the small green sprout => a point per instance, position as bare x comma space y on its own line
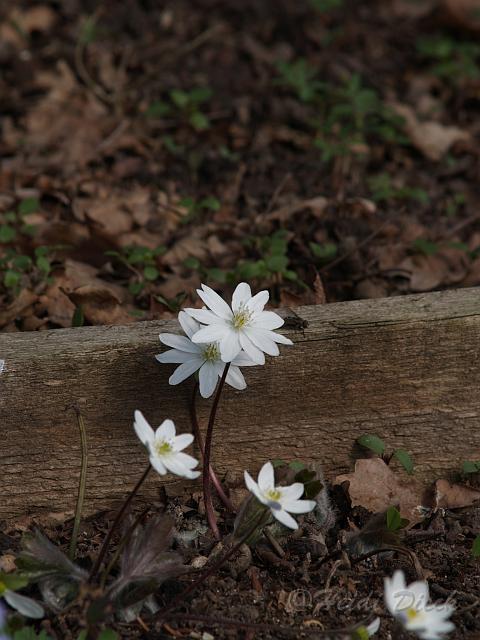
142, 262
301, 77
395, 522
383, 190
195, 207
476, 547
470, 466
373, 443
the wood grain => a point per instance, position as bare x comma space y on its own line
406, 368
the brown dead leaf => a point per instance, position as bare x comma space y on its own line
454, 496
415, 10
426, 272
374, 486
433, 139
25, 299
463, 13
7, 563
100, 305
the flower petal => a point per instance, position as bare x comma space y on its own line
212, 333
392, 586
258, 301
188, 324
285, 518
267, 320
205, 316
243, 360
215, 302
251, 350
262, 341
174, 465
185, 370
189, 462
208, 378
182, 441
253, 487
276, 337
235, 378
158, 465
292, 492
26, 606
143, 430
178, 342
299, 506
241, 295
174, 356
166, 431
230, 346
266, 477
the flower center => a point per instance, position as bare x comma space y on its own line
211, 353
412, 614
241, 318
163, 447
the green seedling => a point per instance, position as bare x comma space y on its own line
476, 547
451, 59
470, 466
301, 77
376, 445
16, 268
186, 104
142, 262
195, 207
382, 190
324, 252
395, 522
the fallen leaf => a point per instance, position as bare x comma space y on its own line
100, 305
25, 299
463, 13
432, 138
454, 496
316, 205
426, 272
374, 486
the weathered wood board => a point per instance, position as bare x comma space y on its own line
406, 368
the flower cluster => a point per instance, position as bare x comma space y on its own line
239, 334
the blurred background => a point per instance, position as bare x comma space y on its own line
324, 149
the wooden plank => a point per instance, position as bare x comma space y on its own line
406, 368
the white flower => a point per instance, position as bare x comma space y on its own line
165, 448
280, 500
409, 605
204, 358
243, 326
373, 627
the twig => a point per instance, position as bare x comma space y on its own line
116, 522
207, 487
198, 437
81, 485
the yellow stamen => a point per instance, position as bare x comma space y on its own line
163, 448
211, 353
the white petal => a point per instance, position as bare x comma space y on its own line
166, 431
188, 324
262, 342
241, 295
215, 302
419, 591
185, 370
267, 320
182, 441
299, 506
208, 379
254, 488
292, 492
205, 317
258, 301
235, 378
392, 586
26, 606
178, 342
158, 465
143, 430
174, 356
266, 477
186, 460
276, 337
212, 333
285, 518
373, 627
230, 346
243, 360
247, 345
175, 466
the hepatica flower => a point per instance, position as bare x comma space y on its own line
409, 605
204, 358
244, 325
280, 500
165, 448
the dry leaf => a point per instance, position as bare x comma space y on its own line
454, 496
463, 13
374, 486
24, 300
100, 305
431, 138
316, 205
426, 272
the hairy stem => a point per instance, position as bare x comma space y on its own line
207, 487
81, 485
198, 437
116, 522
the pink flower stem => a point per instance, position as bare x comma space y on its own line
198, 437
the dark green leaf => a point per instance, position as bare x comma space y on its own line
151, 273
405, 459
470, 467
7, 234
29, 205
11, 279
78, 319
476, 547
372, 442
